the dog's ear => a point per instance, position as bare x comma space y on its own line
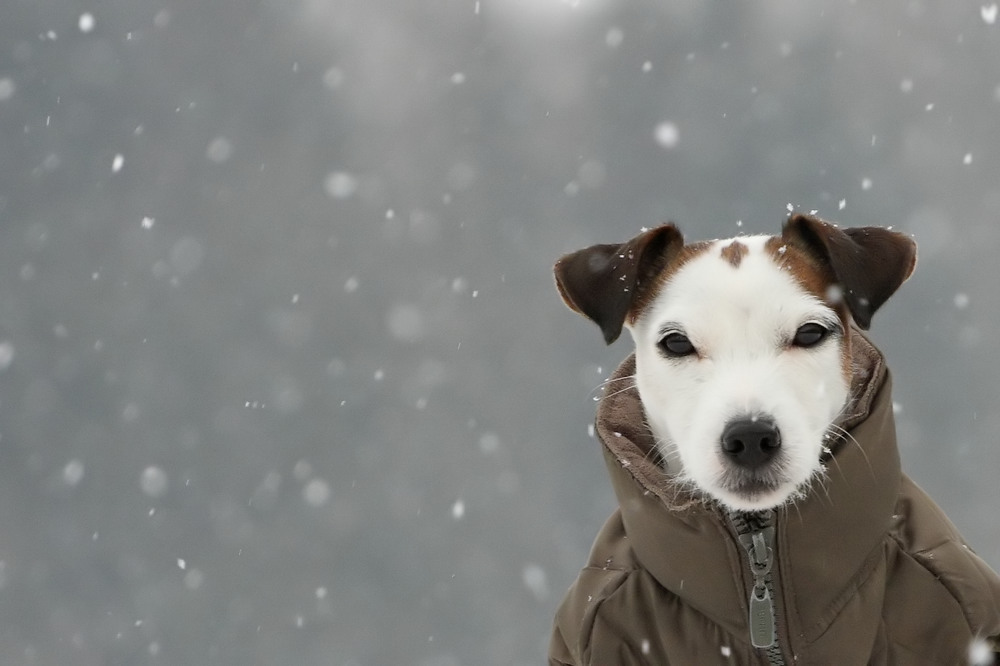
603, 282
868, 263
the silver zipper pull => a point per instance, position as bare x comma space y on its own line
762, 633
759, 545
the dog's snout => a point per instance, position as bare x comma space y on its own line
751, 442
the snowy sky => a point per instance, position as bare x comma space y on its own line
284, 377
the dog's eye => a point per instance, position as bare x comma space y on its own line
810, 335
676, 345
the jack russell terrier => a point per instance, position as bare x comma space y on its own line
752, 395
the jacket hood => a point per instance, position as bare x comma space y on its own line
684, 539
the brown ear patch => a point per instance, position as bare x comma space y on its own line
677, 262
812, 275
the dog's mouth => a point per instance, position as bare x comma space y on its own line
753, 486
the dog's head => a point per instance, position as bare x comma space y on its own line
743, 359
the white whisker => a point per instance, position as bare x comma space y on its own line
848, 437
610, 380
622, 390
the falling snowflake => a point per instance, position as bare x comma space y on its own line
989, 13
534, 578
614, 38
316, 493
153, 481
219, 150
489, 442
667, 134
72, 473
980, 653
340, 185
6, 355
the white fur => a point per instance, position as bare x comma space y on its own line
740, 320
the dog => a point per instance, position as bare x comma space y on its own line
742, 352
764, 405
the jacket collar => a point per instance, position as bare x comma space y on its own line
825, 542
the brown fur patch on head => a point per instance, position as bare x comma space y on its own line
818, 279
686, 254
734, 253
812, 275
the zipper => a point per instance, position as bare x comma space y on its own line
755, 532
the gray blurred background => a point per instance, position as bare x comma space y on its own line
283, 375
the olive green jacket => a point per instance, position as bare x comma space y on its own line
867, 569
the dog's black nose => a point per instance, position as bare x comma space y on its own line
751, 442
